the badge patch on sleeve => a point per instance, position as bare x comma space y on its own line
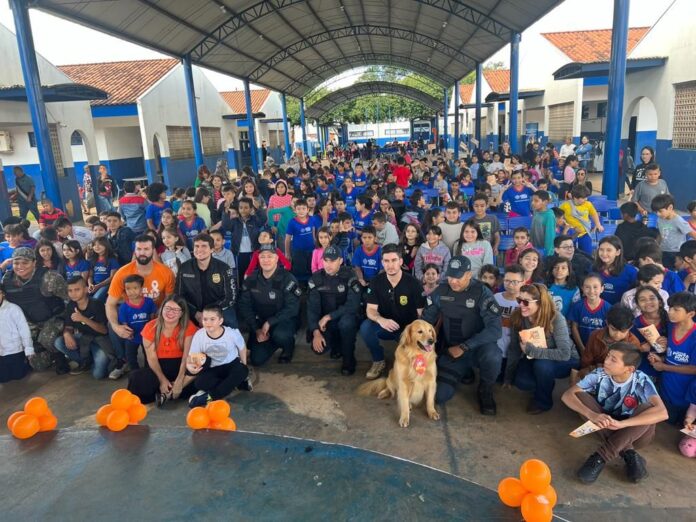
311, 284
492, 305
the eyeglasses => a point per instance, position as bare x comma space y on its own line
171, 310
512, 282
525, 302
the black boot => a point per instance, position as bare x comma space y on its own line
486, 399
468, 377
61, 364
591, 469
635, 466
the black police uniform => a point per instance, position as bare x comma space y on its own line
276, 300
338, 296
215, 286
470, 318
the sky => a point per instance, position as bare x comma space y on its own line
63, 42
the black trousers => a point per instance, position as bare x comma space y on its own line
340, 337
145, 384
13, 367
220, 381
301, 264
282, 336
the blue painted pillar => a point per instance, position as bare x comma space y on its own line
456, 120
617, 74
286, 131
193, 111
514, 91
320, 135
35, 101
444, 121
251, 127
303, 124
479, 81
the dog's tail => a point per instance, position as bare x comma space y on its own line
373, 387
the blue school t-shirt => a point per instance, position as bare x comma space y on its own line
101, 270
76, 269
350, 197
587, 319
682, 275
136, 316
672, 283
323, 193
302, 234
360, 222
370, 264
360, 178
563, 297
518, 201
154, 212
191, 230
680, 352
640, 322
616, 285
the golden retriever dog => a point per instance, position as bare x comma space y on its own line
413, 374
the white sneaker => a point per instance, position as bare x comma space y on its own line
375, 370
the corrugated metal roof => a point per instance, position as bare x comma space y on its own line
124, 81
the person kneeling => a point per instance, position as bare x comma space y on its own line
223, 366
623, 402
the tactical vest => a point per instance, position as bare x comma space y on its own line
461, 313
333, 290
268, 296
36, 307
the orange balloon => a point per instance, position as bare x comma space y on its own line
136, 413
12, 418
36, 406
197, 418
48, 422
535, 475
103, 413
117, 420
25, 426
218, 410
136, 400
536, 508
121, 399
551, 495
228, 424
511, 491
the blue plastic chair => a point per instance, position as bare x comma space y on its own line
652, 220
519, 221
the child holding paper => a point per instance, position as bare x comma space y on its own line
622, 401
687, 445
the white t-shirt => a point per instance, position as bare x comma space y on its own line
506, 308
222, 350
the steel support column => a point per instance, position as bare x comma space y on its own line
303, 124
617, 74
479, 80
286, 132
193, 111
35, 101
456, 120
252, 128
514, 91
445, 130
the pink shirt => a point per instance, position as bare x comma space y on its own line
317, 259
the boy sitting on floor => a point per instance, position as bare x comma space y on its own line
623, 402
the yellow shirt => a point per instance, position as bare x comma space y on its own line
586, 212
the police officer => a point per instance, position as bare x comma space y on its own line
471, 326
41, 294
206, 281
269, 306
334, 299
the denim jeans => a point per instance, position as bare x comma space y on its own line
27, 206
101, 294
118, 344
539, 375
104, 204
372, 333
100, 359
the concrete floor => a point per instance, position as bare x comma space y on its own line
309, 399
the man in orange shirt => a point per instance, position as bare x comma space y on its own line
159, 283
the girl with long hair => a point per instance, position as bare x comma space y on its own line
410, 241
530, 260
530, 366
167, 340
562, 284
652, 312
617, 275
103, 265
47, 256
472, 245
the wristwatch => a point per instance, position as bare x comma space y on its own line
464, 347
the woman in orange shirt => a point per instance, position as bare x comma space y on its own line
166, 340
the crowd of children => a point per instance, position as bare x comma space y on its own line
609, 288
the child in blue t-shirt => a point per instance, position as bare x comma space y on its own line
617, 276
517, 199
103, 266
688, 274
74, 261
300, 238
367, 258
678, 365
135, 312
562, 285
157, 196
590, 313
345, 238
362, 216
191, 225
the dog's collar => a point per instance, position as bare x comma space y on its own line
419, 364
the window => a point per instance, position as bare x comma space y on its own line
396, 132
32, 139
684, 130
585, 112
212, 141
76, 139
180, 142
602, 109
361, 134
560, 121
55, 146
